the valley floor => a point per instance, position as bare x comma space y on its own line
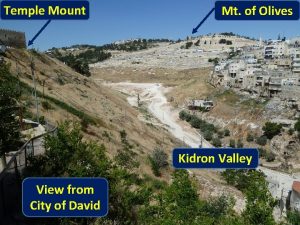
153, 95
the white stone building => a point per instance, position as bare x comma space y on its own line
296, 62
276, 49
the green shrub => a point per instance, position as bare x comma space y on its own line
84, 124
262, 140
216, 142
188, 45
221, 134
206, 128
262, 153
297, 126
155, 168
46, 105
270, 157
240, 144
65, 106
215, 61
250, 138
158, 160
232, 143
272, 129
42, 120
226, 133
208, 135
196, 122
183, 115
293, 218
291, 131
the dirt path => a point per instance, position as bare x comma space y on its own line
153, 95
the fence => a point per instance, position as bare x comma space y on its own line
11, 179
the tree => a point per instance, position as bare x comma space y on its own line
158, 160
297, 126
250, 137
232, 143
226, 133
291, 131
259, 202
222, 41
188, 45
270, 157
9, 109
178, 204
208, 135
67, 154
240, 144
126, 157
216, 142
272, 129
262, 140
293, 218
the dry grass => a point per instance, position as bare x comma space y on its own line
97, 101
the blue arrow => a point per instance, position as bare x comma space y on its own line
195, 30
41, 30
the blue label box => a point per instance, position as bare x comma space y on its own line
215, 158
257, 10
65, 197
45, 10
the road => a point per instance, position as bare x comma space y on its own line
154, 96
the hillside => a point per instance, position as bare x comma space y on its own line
184, 69
104, 112
136, 102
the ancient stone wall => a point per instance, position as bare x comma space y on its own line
12, 38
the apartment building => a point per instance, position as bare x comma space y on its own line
276, 49
296, 63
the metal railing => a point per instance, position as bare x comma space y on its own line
18, 160
11, 178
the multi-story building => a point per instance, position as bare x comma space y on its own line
276, 49
296, 63
234, 68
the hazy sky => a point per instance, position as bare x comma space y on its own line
113, 20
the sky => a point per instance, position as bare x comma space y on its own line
113, 20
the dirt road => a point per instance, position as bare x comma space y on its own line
154, 95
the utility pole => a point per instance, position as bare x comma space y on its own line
19, 90
35, 94
201, 145
43, 83
138, 100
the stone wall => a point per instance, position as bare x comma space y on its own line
12, 38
